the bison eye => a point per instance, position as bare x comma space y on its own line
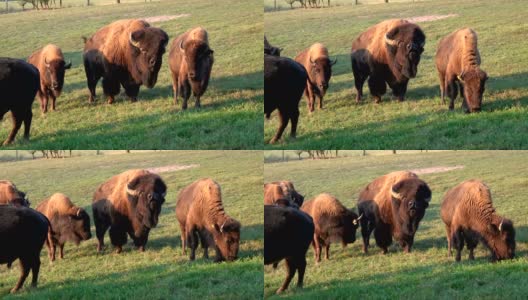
149, 196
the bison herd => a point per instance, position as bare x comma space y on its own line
125, 53
385, 54
392, 207
126, 205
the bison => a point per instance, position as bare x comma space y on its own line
128, 203
392, 206
387, 53
285, 190
201, 215
190, 63
284, 83
19, 83
469, 215
333, 223
68, 223
318, 65
287, 235
22, 235
127, 53
271, 50
50, 63
9, 194
458, 61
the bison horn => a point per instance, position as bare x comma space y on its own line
181, 47
360, 216
46, 62
396, 195
79, 212
67, 66
391, 42
133, 42
333, 62
311, 61
222, 227
500, 225
132, 192
427, 199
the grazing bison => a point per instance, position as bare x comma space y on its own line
284, 83
284, 189
127, 53
190, 62
392, 206
128, 203
68, 223
201, 215
9, 194
458, 60
469, 215
333, 223
287, 235
271, 50
50, 63
19, 83
318, 65
387, 53
22, 235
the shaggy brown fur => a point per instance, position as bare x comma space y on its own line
468, 212
458, 61
201, 214
284, 189
9, 194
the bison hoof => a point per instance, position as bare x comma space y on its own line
377, 100
14, 290
118, 250
279, 291
272, 141
141, 248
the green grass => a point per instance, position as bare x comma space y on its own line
231, 113
422, 121
427, 272
162, 271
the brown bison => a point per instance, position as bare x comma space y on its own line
284, 189
190, 62
271, 50
128, 203
201, 215
333, 223
68, 223
458, 61
387, 53
469, 215
318, 65
9, 194
50, 63
392, 206
127, 53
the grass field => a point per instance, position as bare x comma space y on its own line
231, 113
422, 121
427, 272
161, 272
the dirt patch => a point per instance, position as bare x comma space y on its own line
171, 168
430, 18
435, 170
156, 19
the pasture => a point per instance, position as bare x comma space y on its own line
422, 121
427, 272
162, 271
231, 113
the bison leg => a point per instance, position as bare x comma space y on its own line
464, 100
53, 251
92, 78
102, 223
366, 230
458, 240
442, 87
219, 257
320, 102
399, 90
205, 245
53, 99
317, 248
24, 272
42, 99
360, 75
383, 237
448, 233
452, 91
283, 119
183, 238
132, 91
327, 251
193, 242
294, 117
301, 268
61, 251
377, 87
118, 237
17, 122
310, 98
27, 123
185, 88
471, 245
35, 268
175, 90
290, 272
111, 88
197, 102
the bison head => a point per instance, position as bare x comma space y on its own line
77, 225
21, 199
351, 224
410, 198
54, 74
227, 238
148, 45
147, 193
297, 198
199, 58
405, 45
320, 73
502, 242
473, 81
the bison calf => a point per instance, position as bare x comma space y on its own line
458, 61
333, 223
22, 235
50, 63
469, 215
9, 194
282, 190
68, 223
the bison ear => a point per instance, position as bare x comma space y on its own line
136, 37
210, 51
493, 228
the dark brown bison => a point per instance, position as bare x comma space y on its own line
201, 214
284, 189
392, 206
68, 223
333, 223
22, 235
19, 83
127, 53
458, 61
9, 194
190, 62
318, 65
271, 50
50, 63
387, 53
469, 215
128, 203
